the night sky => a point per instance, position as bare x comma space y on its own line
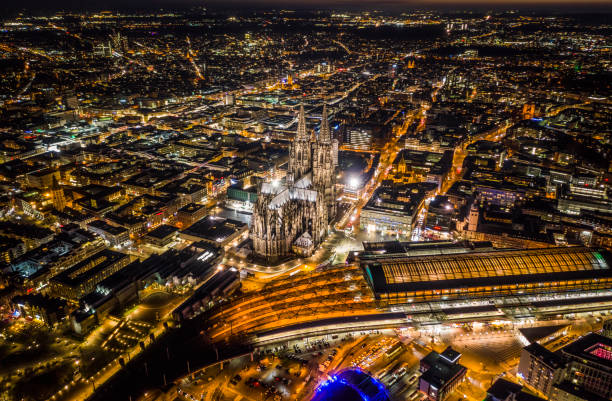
381, 4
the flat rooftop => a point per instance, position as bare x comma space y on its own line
442, 247
534, 334
396, 200
593, 347
550, 358
503, 389
442, 367
162, 231
191, 208
89, 267
213, 228
102, 225
579, 392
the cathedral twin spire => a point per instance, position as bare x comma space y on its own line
300, 153
303, 211
304, 149
301, 131
324, 132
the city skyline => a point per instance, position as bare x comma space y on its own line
394, 5
315, 201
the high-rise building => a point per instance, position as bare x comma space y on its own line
103, 49
359, 137
119, 43
540, 368
580, 371
59, 201
589, 364
43, 178
293, 217
607, 329
70, 100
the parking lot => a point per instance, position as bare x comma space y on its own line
293, 370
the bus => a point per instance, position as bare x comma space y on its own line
394, 351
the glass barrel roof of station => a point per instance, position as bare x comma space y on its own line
491, 264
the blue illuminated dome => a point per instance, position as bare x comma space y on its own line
351, 385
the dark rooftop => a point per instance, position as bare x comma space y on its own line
442, 367
549, 358
82, 271
213, 228
191, 207
593, 347
506, 390
501, 389
162, 231
102, 225
40, 301
534, 334
578, 391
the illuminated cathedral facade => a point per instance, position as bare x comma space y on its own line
294, 217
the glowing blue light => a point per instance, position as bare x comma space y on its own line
355, 379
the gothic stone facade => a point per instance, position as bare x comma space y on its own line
304, 205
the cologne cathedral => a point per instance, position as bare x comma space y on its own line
293, 217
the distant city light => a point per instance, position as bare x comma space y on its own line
292, 185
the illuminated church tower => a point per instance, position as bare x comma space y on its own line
300, 153
323, 168
293, 217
